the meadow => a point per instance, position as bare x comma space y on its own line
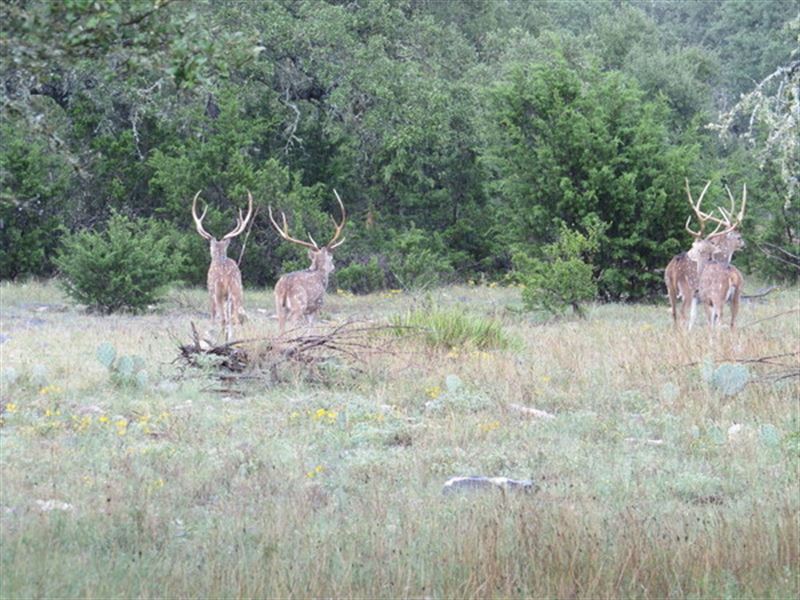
669, 466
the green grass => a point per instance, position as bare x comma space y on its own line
452, 327
186, 487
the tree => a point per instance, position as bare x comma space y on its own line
567, 149
767, 120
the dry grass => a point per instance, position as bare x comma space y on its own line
335, 490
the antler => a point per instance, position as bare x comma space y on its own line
701, 216
198, 221
284, 233
241, 223
339, 226
740, 216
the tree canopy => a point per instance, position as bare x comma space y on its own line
459, 134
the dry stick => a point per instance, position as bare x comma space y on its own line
761, 359
760, 294
780, 314
247, 235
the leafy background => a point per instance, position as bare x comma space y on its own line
460, 134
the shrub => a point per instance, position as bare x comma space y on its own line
124, 267
563, 277
453, 328
361, 278
419, 259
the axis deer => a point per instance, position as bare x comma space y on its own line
681, 274
224, 277
300, 294
718, 280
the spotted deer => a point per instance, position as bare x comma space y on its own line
681, 274
299, 295
718, 280
224, 277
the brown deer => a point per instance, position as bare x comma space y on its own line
299, 295
681, 274
718, 280
224, 277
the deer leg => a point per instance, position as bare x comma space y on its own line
734, 307
213, 302
228, 322
673, 300
709, 310
693, 311
280, 311
237, 311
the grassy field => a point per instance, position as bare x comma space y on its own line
670, 468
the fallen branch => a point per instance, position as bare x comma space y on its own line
273, 359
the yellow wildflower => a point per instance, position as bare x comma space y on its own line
50, 389
315, 471
486, 427
103, 419
434, 392
11, 407
324, 414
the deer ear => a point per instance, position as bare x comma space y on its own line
311, 254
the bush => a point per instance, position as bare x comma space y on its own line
453, 328
419, 259
361, 278
563, 277
124, 267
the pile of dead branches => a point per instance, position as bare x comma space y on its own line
312, 353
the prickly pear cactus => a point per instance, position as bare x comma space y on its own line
730, 379
106, 353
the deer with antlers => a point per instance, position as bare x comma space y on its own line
717, 280
224, 277
681, 275
299, 295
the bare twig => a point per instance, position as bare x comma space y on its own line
267, 358
780, 314
247, 235
761, 293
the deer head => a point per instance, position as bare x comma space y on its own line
219, 248
724, 242
321, 257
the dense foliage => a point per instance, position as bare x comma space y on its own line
124, 267
457, 133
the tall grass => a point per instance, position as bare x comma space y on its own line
452, 327
186, 487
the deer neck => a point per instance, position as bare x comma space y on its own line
321, 274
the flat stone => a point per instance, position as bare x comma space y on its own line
479, 482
